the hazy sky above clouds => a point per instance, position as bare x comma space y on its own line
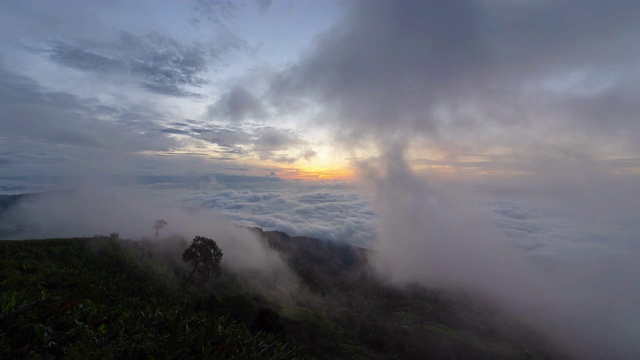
468, 123
301, 88
126, 84
532, 98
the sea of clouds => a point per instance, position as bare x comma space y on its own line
567, 268
543, 228
331, 214
540, 228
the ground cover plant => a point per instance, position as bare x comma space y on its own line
108, 298
81, 298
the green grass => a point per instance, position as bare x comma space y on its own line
100, 298
106, 298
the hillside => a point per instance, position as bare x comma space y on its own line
109, 298
370, 319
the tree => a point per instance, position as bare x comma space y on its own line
205, 256
159, 225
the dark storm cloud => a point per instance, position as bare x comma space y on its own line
158, 63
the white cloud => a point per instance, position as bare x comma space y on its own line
338, 214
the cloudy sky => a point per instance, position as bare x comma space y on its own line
452, 136
153, 88
303, 89
513, 100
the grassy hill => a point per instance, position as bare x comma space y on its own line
108, 298
101, 298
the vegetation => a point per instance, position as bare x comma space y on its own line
158, 225
361, 317
205, 257
108, 298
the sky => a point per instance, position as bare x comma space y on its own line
149, 87
303, 89
481, 143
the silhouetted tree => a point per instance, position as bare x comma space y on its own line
159, 225
205, 256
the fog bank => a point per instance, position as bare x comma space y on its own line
132, 211
438, 236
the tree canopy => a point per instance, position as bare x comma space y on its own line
159, 224
205, 256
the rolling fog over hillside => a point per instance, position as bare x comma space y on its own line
483, 146
541, 259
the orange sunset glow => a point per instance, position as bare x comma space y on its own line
318, 173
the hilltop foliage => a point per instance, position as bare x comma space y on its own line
107, 299
116, 299
205, 257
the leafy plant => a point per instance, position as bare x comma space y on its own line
98, 298
205, 256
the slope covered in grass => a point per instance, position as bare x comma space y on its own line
99, 298
109, 298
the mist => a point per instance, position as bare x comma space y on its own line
541, 90
132, 210
438, 236
540, 95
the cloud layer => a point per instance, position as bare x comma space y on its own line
333, 213
475, 76
550, 85
160, 64
544, 91
115, 88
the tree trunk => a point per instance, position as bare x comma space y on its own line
190, 275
